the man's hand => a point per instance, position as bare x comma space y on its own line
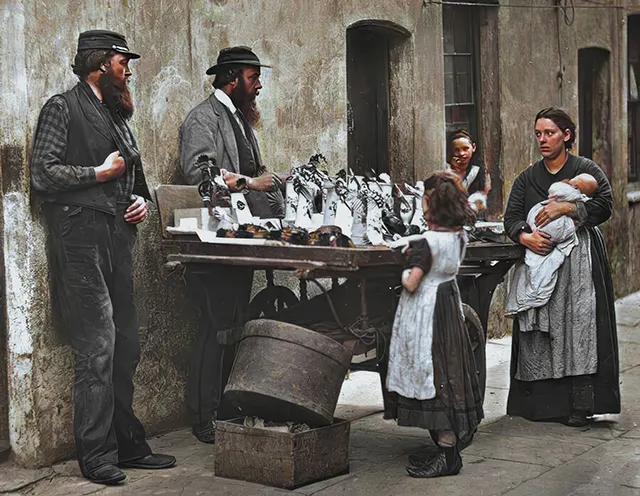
137, 211
112, 167
551, 211
235, 182
538, 242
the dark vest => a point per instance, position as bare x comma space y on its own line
257, 200
89, 142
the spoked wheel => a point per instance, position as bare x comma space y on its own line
271, 300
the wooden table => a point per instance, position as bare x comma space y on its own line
484, 266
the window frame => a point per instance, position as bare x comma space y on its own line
473, 33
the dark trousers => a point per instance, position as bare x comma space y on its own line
93, 286
220, 295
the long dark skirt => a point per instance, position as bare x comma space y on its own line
553, 399
458, 402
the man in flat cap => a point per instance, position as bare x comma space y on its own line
86, 166
221, 128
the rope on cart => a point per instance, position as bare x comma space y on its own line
366, 336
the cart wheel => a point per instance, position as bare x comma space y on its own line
476, 336
271, 300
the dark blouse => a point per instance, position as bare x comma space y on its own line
532, 187
419, 255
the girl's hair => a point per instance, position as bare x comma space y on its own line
454, 135
562, 120
448, 205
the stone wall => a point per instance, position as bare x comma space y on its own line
304, 109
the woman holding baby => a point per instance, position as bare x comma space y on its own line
564, 354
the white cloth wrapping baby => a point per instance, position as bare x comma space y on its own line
532, 283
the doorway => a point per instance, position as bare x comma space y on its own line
375, 50
594, 111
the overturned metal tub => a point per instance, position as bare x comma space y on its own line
283, 372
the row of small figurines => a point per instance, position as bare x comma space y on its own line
362, 207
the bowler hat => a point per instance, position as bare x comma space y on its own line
237, 55
101, 39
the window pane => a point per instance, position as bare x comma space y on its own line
449, 92
448, 27
463, 79
462, 31
461, 117
456, 29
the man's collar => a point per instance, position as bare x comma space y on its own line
90, 91
223, 98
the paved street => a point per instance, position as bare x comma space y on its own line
510, 456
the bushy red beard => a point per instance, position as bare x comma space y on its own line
116, 95
251, 112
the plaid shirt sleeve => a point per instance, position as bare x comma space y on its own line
49, 173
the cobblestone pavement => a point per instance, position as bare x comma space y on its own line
509, 456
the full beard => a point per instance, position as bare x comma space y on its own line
251, 112
246, 104
116, 96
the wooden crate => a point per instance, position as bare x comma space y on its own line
281, 459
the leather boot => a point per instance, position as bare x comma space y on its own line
446, 462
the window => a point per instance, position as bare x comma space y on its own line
633, 109
460, 69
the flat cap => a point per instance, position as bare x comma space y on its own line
101, 39
240, 55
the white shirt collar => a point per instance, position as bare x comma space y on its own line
225, 100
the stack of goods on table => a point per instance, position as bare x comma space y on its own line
344, 210
324, 236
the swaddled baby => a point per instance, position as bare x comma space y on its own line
535, 279
577, 189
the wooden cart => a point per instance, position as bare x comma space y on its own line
359, 306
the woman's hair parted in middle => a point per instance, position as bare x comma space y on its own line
562, 120
448, 201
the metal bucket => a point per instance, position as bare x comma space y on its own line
283, 372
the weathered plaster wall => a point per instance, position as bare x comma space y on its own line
531, 59
303, 111
303, 106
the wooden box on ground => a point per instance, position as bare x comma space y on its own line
281, 459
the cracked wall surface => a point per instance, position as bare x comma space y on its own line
303, 106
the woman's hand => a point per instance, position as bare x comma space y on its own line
538, 242
553, 210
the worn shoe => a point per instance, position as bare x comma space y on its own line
109, 475
205, 432
153, 461
577, 420
420, 460
447, 462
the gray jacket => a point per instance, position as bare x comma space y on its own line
206, 130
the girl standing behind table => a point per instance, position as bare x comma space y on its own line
473, 177
431, 364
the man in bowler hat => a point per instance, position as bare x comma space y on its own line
86, 166
221, 128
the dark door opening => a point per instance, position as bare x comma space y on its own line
368, 99
594, 106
